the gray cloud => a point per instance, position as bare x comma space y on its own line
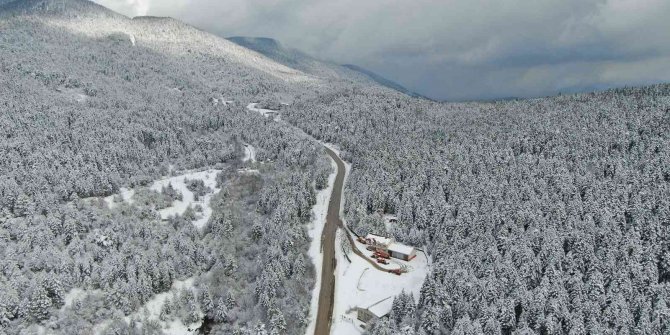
455, 49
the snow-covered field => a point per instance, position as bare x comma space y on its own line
126, 196
188, 199
249, 153
319, 213
151, 310
358, 284
265, 112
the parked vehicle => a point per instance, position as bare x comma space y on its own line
382, 254
396, 271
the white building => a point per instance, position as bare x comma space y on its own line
388, 244
401, 251
375, 311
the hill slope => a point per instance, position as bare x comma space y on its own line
299, 60
93, 103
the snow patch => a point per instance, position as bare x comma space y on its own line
126, 196
152, 308
265, 112
249, 153
188, 198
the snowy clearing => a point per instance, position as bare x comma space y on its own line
126, 196
360, 285
152, 309
188, 198
265, 112
319, 213
249, 153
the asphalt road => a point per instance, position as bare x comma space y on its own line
333, 222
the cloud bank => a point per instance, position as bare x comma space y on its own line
455, 49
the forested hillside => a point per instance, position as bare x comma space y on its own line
90, 102
542, 216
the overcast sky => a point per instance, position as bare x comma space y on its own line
455, 49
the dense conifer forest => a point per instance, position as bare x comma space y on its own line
542, 216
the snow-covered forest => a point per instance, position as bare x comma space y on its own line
83, 116
541, 216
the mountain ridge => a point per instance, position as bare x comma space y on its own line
304, 62
64, 8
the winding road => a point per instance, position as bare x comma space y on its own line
333, 222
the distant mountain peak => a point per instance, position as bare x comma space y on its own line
299, 60
67, 8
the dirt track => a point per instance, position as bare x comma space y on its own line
333, 222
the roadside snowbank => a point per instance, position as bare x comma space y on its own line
319, 213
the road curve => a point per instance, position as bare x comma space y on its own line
333, 222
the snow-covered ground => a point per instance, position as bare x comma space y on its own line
126, 196
265, 112
315, 229
358, 284
188, 199
76, 294
249, 153
393, 263
152, 309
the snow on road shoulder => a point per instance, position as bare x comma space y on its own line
347, 172
319, 213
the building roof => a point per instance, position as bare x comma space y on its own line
379, 239
382, 307
400, 248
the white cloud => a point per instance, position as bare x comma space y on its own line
452, 48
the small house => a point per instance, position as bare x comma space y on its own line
401, 251
375, 311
